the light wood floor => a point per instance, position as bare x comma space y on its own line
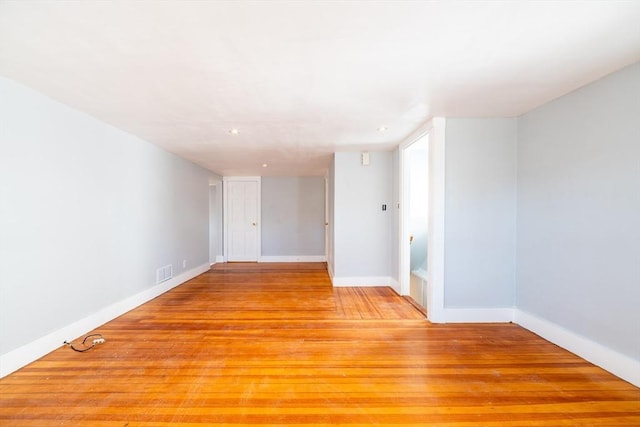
263, 344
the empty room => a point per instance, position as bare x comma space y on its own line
306, 213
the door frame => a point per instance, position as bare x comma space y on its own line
404, 232
405, 214
326, 218
435, 244
225, 217
215, 221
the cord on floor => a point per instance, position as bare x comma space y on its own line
97, 339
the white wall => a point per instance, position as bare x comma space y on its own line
88, 213
362, 231
480, 207
293, 218
578, 253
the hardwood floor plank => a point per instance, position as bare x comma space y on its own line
276, 344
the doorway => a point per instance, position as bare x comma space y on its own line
415, 189
241, 218
434, 292
215, 221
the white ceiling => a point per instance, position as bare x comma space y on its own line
302, 79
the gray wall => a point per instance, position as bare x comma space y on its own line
293, 216
362, 231
215, 221
578, 253
480, 209
88, 213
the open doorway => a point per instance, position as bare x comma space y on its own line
433, 288
415, 220
215, 221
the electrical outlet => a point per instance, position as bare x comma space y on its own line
184, 263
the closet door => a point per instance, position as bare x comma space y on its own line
242, 212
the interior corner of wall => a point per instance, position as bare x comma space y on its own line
617, 363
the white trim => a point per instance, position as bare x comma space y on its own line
478, 315
362, 281
294, 258
219, 258
403, 215
225, 203
16, 359
421, 131
435, 241
403, 195
617, 363
326, 216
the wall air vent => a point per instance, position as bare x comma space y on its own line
164, 273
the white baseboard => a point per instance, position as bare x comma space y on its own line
618, 364
478, 315
395, 285
16, 359
294, 258
361, 281
219, 258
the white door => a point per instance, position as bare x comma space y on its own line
242, 213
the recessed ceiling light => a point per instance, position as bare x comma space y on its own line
264, 165
234, 131
382, 129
